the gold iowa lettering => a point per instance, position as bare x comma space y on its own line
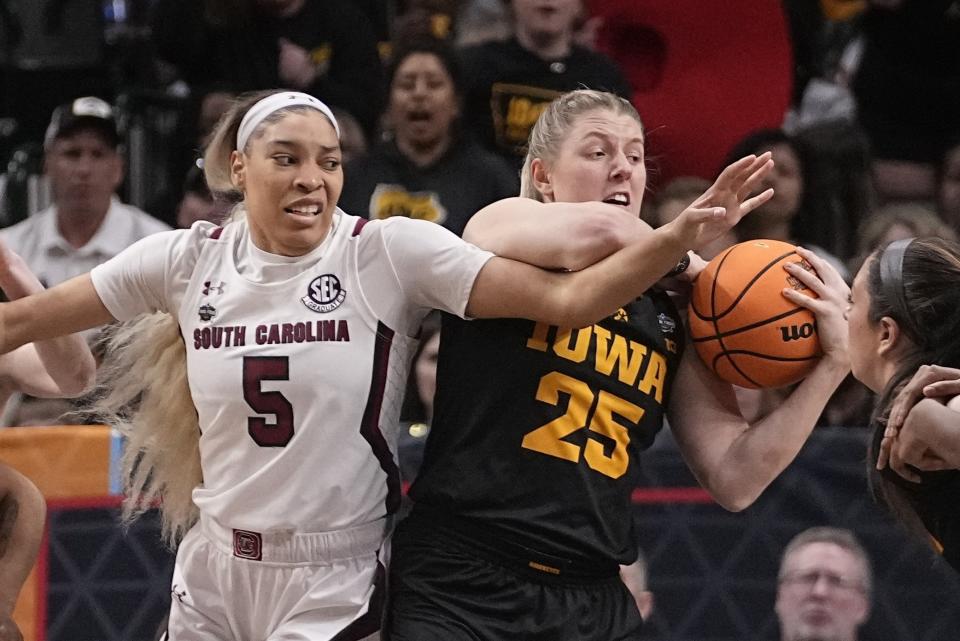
628, 361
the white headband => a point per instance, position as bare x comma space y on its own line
275, 102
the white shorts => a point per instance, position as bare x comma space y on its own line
233, 585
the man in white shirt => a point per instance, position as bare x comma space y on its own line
824, 587
87, 223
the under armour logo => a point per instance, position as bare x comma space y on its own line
212, 287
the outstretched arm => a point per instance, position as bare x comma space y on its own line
568, 236
68, 308
22, 514
56, 367
572, 236
510, 289
736, 460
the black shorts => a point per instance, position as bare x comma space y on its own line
446, 587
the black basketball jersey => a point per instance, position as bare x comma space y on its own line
537, 429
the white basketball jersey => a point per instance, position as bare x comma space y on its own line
298, 381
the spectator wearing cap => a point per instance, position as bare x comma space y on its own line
86, 224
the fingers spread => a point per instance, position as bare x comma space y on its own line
753, 180
750, 204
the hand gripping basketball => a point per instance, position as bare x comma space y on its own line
748, 330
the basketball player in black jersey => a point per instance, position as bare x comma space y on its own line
522, 507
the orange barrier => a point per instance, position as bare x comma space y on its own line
67, 463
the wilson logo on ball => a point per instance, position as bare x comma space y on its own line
742, 325
795, 332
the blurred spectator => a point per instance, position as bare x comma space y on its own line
427, 169
416, 414
426, 19
379, 14
324, 47
86, 224
826, 47
775, 219
824, 586
895, 222
908, 91
948, 187
480, 21
508, 83
198, 203
634, 576
677, 196
838, 182
353, 142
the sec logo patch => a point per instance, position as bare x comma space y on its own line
324, 294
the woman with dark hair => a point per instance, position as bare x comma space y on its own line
778, 218
426, 169
903, 314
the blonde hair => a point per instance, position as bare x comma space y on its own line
551, 128
143, 393
142, 386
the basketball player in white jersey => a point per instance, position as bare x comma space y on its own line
261, 395
52, 368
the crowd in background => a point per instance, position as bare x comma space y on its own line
435, 99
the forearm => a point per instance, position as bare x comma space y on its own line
598, 290
568, 236
22, 513
66, 309
67, 360
939, 427
766, 447
512, 289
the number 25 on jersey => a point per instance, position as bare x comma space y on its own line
548, 439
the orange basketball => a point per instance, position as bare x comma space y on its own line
743, 327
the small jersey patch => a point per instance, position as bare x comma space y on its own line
247, 545
207, 312
324, 294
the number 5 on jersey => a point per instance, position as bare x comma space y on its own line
257, 369
548, 439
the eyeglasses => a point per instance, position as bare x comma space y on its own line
810, 579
